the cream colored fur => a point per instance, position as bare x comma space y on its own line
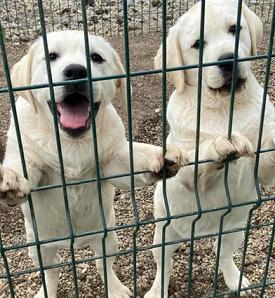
214, 143
39, 142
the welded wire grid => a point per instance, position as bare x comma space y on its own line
30, 22
21, 21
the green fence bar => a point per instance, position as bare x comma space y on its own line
230, 125
271, 244
21, 151
196, 167
164, 136
6, 266
95, 148
130, 138
258, 153
58, 142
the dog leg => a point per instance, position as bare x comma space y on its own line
49, 257
170, 234
230, 243
115, 287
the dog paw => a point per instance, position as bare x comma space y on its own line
174, 159
14, 188
238, 146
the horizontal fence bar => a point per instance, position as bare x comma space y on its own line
91, 180
142, 223
135, 74
139, 249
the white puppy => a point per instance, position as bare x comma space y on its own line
68, 62
183, 49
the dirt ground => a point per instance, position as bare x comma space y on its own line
147, 115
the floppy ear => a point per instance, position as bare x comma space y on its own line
21, 76
174, 59
121, 85
255, 26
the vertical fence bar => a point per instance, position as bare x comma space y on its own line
271, 244
97, 164
6, 266
118, 17
52, 16
196, 166
34, 16
94, 19
22, 156
269, 10
110, 18
229, 133
26, 19
8, 19
257, 159
130, 137
157, 25
60, 17
150, 7
77, 14
17, 20
102, 21
164, 136
69, 12
141, 16
58, 143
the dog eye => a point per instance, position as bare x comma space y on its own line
233, 29
97, 58
196, 45
53, 56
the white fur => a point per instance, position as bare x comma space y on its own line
39, 142
214, 144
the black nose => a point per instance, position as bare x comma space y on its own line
226, 66
74, 72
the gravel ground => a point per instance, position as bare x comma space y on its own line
146, 128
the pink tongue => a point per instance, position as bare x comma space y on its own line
74, 116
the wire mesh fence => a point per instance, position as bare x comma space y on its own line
32, 18
20, 19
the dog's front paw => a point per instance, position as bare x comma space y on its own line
174, 159
223, 148
14, 188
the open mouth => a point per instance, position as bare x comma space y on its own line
226, 87
74, 113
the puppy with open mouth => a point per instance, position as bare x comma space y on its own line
72, 105
183, 44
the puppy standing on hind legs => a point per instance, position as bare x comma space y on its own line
183, 44
34, 111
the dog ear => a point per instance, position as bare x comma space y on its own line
21, 76
121, 84
255, 26
174, 59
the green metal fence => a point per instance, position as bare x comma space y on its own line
158, 15
104, 17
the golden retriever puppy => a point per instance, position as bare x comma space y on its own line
34, 108
183, 49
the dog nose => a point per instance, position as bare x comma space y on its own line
74, 72
226, 66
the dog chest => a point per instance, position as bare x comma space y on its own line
83, 208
